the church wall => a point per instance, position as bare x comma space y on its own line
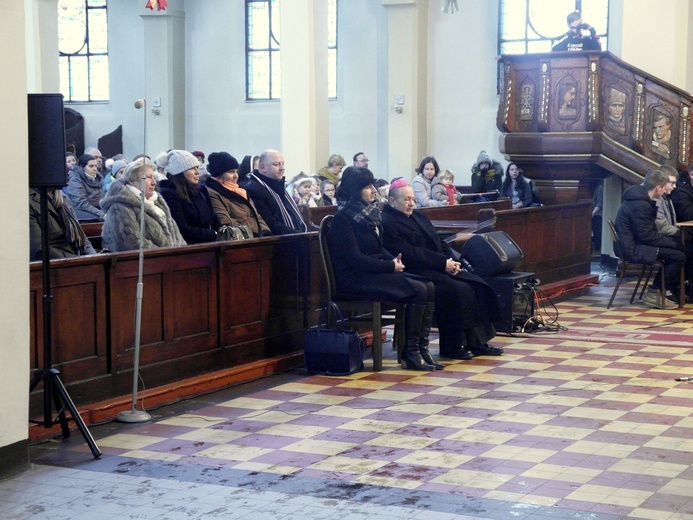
14, 236
463, 98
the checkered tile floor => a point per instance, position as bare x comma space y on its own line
586, 422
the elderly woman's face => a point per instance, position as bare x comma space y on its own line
149, 182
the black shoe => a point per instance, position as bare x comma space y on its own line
487, 350
428, 358
460, 353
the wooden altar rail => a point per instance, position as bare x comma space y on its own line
216, 308
554, 239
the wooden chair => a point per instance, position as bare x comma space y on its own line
360, 309
623, 265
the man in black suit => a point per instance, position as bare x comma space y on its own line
465, 306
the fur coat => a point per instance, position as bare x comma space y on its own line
121, 228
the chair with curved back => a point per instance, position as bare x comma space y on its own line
360, 309
624, 264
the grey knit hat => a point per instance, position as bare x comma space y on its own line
484, 157
180, 161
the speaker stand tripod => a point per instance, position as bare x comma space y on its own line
53, 388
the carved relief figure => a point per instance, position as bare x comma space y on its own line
527, 103
661, 134
616, 120
567, 107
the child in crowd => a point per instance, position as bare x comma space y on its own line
444, 190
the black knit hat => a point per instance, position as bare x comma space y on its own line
218, 163
354, 179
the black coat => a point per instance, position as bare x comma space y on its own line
424, 254
635, 225
682, 198
195, 218
361, 265
267, 205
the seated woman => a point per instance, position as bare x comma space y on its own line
121, 228
465, 306
335, 165
363, 267
189, 203
66, 238
422, 183
230, 202
443, 188
516, 187
84, 187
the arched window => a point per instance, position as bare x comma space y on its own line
263, 36
533, 26
83, 47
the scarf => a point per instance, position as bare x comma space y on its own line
150, 202
234, 187
451, 190
286, 216
74, 234
364, 215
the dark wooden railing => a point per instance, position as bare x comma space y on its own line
211, 307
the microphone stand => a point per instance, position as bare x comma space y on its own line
53, 387
135, 415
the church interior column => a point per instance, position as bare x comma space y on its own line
407, 85
164, 74
304, 104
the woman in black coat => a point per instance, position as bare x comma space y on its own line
189, 203
465, 306
363, 268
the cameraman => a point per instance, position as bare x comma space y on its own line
574, 40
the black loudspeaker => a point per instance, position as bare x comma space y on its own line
492, 253
46, 141
516, 299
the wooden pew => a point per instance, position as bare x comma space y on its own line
206, 308
554, 239
230, 306
93, 232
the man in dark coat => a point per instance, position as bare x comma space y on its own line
465, 306
266, 189
487, 174
640, 240
682, 196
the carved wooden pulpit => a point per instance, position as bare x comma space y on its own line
569, 118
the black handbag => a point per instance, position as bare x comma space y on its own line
234, 233
333, 352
